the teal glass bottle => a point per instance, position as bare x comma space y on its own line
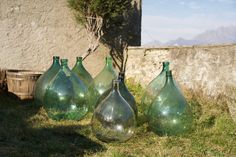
44, 80
101, 83
170, 114
80, 70
154, 88
66, 97
113, 119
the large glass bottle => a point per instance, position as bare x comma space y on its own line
154, 88
82, 72
44, 80
101, 83
170, 113
66, 96
114, 119
129, 98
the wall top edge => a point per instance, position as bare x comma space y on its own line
174, 47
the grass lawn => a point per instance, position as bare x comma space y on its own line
25, 130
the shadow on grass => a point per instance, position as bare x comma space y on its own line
19, 138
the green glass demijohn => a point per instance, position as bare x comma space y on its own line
154, 88
101, 83
82, 72
170, 114
44, 80
113, 119
129, 98
66, 96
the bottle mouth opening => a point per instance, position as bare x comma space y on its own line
56, 57
166, 63
79, 58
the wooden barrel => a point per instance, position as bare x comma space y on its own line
21, 82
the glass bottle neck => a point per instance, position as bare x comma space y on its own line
79, 60
121, 76
55, 60
109, 62
64, 63
165, 66
115, 85
169, 78
65, 68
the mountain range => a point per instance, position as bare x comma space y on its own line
221, 35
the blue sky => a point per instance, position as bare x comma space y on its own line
165, 20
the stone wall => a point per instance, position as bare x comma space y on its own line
32, 31
208, 69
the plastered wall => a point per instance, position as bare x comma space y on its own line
32, 31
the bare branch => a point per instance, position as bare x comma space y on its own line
94, 33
